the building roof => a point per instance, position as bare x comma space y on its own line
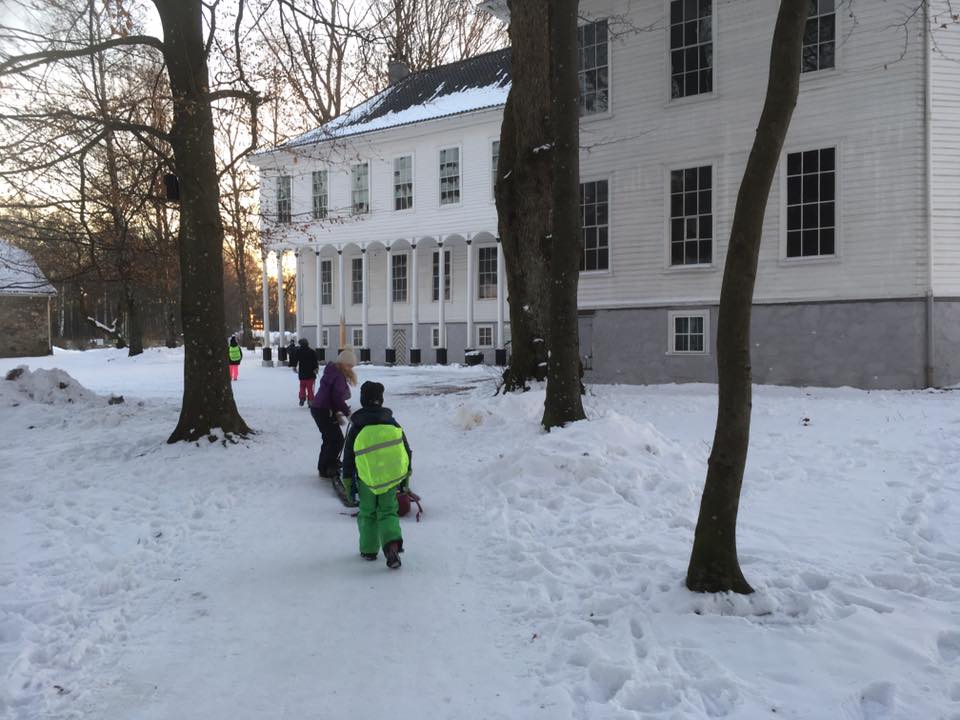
19, 274
472, 84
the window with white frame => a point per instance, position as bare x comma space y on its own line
594, 225
435, 337
398, 264
436, 275
450, 176
592, 67
319, 194
691, 216
357, 337
485, 336
487, 272
689, 332
324, 338
820, 36
494, 160
360, 188
326, 282
691, 47
811, 203
284, 183
356, 280
403, 183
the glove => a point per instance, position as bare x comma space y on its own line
405, 483
349, 491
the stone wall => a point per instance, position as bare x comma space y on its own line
24, 326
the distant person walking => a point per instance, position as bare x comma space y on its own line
329, 407
304, 362
235, 355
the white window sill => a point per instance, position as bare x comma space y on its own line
810, 260
697, 268
692, 99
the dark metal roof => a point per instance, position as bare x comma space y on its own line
425, 89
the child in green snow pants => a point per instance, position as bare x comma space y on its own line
378, 520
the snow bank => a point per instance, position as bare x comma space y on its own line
48, 387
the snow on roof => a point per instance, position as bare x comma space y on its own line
473, 84
19, 274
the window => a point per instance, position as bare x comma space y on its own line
436, 275
283, 198
326, 282
450, 176
360, 175
399, 276
487, 273
356, 278
485, 336
689, 332
319, 194
691, 216
594, 225
820, 36
403, 183
324, 337
435, 337
691, 47
811, 203
494, 160
592, 69
357, 336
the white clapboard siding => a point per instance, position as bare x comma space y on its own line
945, 149
870, 112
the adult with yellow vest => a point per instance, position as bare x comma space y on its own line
376, 460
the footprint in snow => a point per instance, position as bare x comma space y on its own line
948, 645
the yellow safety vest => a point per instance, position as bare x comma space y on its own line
381, 457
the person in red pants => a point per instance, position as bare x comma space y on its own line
304, 362
235, 355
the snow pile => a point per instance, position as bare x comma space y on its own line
48, 387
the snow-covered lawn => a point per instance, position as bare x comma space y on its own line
145, 581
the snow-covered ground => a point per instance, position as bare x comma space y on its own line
145, 581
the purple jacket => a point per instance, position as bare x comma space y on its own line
333, 392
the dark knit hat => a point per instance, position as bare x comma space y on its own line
371, 394
304, 342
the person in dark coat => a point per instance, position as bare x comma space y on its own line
329, 408
305, 364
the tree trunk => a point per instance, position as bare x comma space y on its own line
523, 192
133, 325
714, 566
207, 396
563, 403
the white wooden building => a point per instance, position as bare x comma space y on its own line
859, 275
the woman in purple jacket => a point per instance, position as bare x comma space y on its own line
329, 402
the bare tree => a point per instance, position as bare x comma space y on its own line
563, 403
714, 566
207, 398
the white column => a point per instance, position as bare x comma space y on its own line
470, 293
281, 299
364, 278
440, 304
297, 290
318, 299
414, 299
499, 295
266, 302
389, 300
342, 339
